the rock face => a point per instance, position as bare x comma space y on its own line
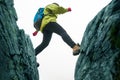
17, 59
100, 47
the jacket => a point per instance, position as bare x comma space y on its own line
51, 12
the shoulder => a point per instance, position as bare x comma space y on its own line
51, 6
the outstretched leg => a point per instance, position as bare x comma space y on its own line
56, 28
46, 39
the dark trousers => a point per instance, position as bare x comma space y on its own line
50, 28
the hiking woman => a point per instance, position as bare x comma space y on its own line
50, 26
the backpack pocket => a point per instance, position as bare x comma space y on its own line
37, 24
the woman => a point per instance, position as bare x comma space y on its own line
49, 26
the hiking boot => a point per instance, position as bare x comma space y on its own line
76, 49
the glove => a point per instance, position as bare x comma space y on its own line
35, 33
69, 9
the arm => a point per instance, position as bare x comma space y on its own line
60, 10
55, 9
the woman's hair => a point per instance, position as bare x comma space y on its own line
56, 4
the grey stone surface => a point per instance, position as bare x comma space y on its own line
100, 46
17, 56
